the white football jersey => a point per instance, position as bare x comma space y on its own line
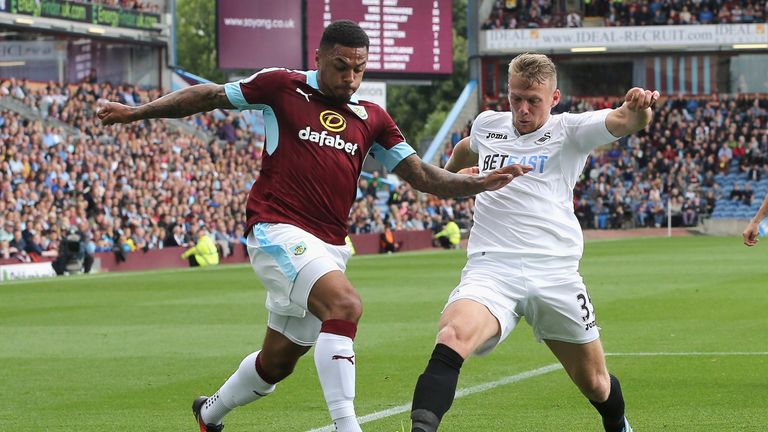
534, 213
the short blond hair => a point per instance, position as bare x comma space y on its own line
533, 68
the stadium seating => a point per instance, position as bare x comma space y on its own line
150, 184
528, 14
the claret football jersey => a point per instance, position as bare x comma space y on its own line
533, 215
313, 152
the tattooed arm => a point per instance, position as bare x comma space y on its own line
181, 103
431, 179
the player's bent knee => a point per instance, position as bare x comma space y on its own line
456, 340
278, 368
595, 387
346, 307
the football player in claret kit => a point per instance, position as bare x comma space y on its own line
525, 244
317, 136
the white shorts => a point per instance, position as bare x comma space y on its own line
289, 261
547, 291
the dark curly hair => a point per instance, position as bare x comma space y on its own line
345, 33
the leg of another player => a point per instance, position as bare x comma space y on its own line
337, 304
464, 326
585, 364
255, 378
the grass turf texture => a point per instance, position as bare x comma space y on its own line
129, 352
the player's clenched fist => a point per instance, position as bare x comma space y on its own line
751, 232
113, 112
639, 99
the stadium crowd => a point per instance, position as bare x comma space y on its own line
673, 164
540, 13
147, 185
666, 12
124, 195
529, 14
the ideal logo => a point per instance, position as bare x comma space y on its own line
547, 135
496, 135
332, 121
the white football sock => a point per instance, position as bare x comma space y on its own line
345, 424
335, 362
243, 387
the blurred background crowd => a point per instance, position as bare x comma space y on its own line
612, 13
151, 184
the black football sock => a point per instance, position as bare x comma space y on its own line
435, 389
612, 410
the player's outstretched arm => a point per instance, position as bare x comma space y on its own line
634, 114
431, 179
462, 157
181, 103
752, 230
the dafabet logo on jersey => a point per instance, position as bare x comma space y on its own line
332, 122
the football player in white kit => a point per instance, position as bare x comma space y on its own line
526, 243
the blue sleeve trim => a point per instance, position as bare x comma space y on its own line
235, 95
272, 132
391, 157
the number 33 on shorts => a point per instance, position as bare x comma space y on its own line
588, 310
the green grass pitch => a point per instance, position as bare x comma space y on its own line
686, 319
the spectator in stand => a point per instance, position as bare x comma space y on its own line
747, 194
737, 194
584, 214
706, 16
642, 213
34, 247
689, 213
602, 214
573, 19
18, 247
226, 131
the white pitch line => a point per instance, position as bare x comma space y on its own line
461, 393
686, 354
532, 373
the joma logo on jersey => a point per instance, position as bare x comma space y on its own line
332, 121
323, 139
496, 135
544, 138
496, 161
